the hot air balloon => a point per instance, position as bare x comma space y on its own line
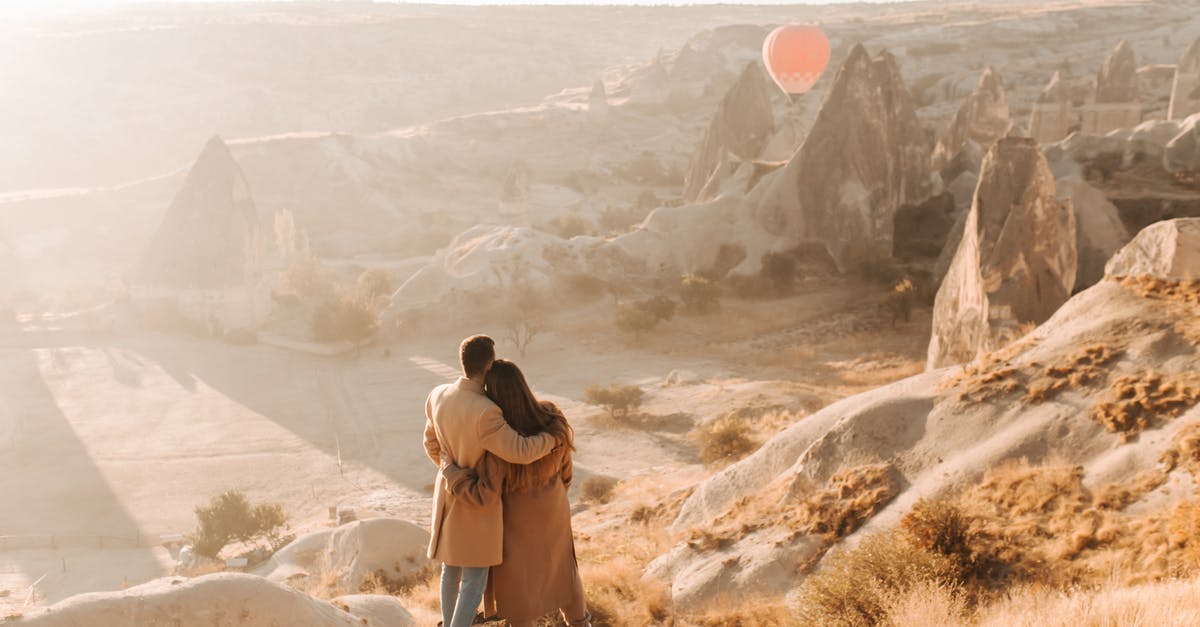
796, 55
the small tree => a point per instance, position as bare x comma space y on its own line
306, 278
660, 307
618, 400
780, 269
522, 317
230, 516
699, 295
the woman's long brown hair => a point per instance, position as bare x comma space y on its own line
507, 388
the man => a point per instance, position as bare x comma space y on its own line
461, 425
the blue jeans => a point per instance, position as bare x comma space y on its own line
459, 604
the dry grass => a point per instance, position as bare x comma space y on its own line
1137, 402
1169, 603
993, 378
725, 440
1187, 292
850, 498
597, 489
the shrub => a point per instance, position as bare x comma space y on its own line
230, 516
306, 278
618, 400
645, 314
597, 489
780, 269
343, 318
855, 586
899, 301
699, 295
569, 225
725, 440
374, 286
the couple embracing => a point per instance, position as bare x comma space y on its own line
501, 519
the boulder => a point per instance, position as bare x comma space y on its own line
1185, 90
217, 599
741, 127
1016, 262
1168, 250
376, 610
983, 118
1181, 156
864, 157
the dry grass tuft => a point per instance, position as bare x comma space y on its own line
1139, 401
850, 498
1187, 292
597, 489
991, 379
725, 440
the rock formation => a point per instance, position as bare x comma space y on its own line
1050, 119
1181, 156
249, 600
982, 118
1099, 232
741, 127
1167, 250
207, 257
865, 156
598, 102
210, 238
1016, 262
1116, 102
1185, 91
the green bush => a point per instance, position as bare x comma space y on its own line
618, 400
699, 295
230, 516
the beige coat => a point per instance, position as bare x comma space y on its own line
539, 574
466, 424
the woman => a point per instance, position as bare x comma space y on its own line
539, 574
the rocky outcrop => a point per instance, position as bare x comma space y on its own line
1050, 119
1099, 232
1181, 156
982, 118
865, 156
1185, 90
211, 599
1168, 250
1016, 262
741, 127
598, 102
1116, 102
210, 238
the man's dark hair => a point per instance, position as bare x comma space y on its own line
476, 353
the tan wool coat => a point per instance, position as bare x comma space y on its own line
466, 424
539, 574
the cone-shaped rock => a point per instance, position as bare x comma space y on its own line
865, 156
1015, 264
741, 127
210, 238
982, 118
1185, 90
1050, 119
1181, 155
1115, 103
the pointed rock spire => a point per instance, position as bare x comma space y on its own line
983, 118
1185, 90
743, 123
1050, 118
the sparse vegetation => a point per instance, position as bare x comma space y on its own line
642, 316
618, 400
1138, 401
343, 318
597, 489
307, 279
231, 516
374, 287
699, 295
725, 440
851, 497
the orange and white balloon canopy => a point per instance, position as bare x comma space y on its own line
795, 56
